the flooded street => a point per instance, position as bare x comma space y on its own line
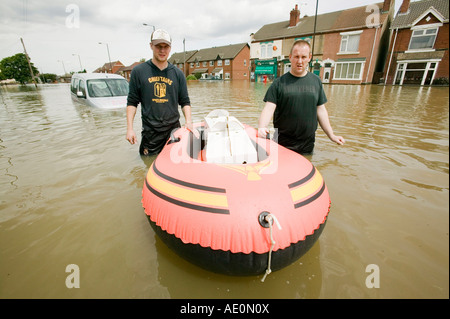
70, 193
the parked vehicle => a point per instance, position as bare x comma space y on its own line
101, 90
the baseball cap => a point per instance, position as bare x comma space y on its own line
161, 36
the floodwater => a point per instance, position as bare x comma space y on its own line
70, 194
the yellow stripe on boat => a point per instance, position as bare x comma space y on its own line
307, 189
186, 194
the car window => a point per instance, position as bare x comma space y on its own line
107, 87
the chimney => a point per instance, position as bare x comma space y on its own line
295, 16
387, 4
404, 7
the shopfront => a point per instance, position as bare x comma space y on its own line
265, 70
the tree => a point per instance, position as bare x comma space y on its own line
48, 77
16, 67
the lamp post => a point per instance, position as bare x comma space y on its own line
63, 66
109, 57
149, 25
79, 60
314, 34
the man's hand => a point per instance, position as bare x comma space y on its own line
190, 127
131, 137
262, 132
337, 139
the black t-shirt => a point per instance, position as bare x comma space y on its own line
295, 116
159, 92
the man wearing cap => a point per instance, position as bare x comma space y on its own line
160, 87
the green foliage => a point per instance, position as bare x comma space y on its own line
16, 67
48, 77
191, 77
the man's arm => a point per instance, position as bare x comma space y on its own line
324, 121
188, 120
131, 135
264, 119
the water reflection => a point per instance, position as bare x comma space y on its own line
302, 279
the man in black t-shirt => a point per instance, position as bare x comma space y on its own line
159, 87
296, 101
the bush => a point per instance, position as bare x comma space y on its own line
191, 77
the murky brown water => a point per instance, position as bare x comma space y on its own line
70, 193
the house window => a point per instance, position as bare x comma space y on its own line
197, 64
348, 70
423, 39
266, 51
350, 42
192, 65
219, 62
227, 62
416, 72
204, 63
211, 63
227, 76
245, 62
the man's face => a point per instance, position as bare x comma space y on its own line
300, 57
161, 51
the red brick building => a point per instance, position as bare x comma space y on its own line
419, 45
229, 62
349, 46
180, 60
108, 67
126, 70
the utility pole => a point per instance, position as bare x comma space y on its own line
29, 64
184, 59
314, 34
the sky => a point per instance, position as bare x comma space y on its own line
63, 36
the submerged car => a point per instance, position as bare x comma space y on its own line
101, 90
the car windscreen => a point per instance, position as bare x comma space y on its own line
107, 87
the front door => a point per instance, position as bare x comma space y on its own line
326, 75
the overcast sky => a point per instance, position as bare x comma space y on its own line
58, 34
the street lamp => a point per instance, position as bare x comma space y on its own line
63, 66
149, 25
79, 60
109, 57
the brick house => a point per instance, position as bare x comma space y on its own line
420, 41
180, 60
126, 70
349, 46
112, 67
230, 62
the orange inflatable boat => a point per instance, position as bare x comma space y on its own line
234, 203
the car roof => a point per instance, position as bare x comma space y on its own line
90, 76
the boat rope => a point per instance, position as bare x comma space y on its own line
270, 219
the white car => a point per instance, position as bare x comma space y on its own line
101, 90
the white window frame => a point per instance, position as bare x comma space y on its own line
211, 63
423, 29
219, 62
350, 65
227, 61
402, 68
345, 37
266, 50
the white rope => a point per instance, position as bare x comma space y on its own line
270, 218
